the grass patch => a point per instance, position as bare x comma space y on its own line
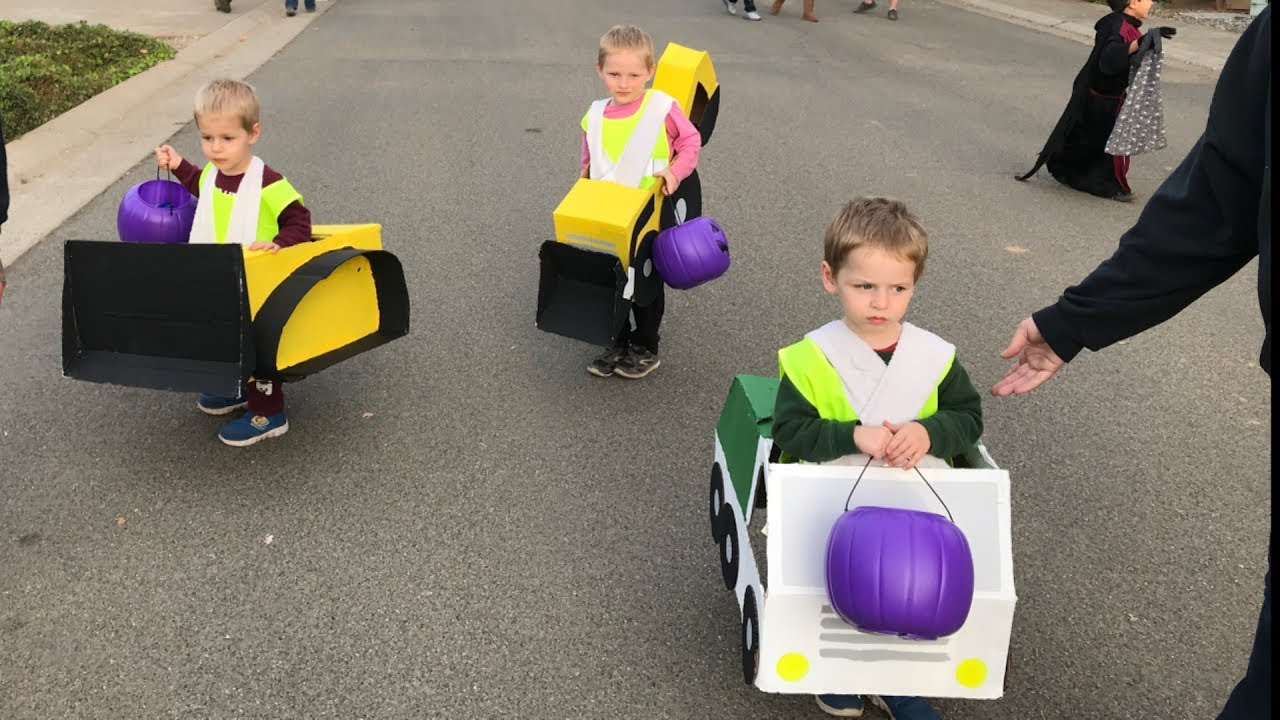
45, 70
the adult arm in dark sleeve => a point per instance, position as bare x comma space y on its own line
1202, 225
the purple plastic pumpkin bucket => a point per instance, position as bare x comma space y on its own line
156, 211
692, 253
900, 572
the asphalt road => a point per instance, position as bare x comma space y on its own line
506, 536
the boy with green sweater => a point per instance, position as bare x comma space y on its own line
870, 384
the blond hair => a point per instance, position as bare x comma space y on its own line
626, 37
875, 222
228, 97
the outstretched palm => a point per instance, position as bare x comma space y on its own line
1037, 362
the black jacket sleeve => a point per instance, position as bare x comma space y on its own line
1204, 223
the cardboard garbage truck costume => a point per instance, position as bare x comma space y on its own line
207, 317
602, 257
793, 640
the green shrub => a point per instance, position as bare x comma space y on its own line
46, 70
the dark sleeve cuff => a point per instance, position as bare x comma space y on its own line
1056, 330
189, 176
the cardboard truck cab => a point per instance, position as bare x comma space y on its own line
792, 640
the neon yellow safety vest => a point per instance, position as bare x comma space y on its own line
618, 132
805, 365
275, 198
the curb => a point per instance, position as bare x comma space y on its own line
1075, 30
61, 166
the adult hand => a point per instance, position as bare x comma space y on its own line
1168, 32
1037, 361
910, 443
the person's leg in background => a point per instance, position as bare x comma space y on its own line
1251, 697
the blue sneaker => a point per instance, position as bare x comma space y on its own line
218, 405
249, 429
841, 705
905, 708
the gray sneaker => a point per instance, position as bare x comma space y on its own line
637, 363
749, 10
603, 366
731, 6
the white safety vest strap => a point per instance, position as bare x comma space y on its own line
243, 224
877, 392
636, 160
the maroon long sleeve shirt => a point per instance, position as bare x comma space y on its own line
294, 220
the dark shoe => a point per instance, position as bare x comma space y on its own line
249, 429
603, 366
905, 708
893, 14
841, 705
865, 7
637, 363
290, 12
222, 5
1122, 196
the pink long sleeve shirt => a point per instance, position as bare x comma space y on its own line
682, 137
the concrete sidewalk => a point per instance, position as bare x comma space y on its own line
1200, 47
57, 168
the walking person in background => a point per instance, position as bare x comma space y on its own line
807, 13
748, 9
871, 5
291, 7
4, 195
1076, 151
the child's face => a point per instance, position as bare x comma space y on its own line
1140, 8
875, 288
625, 73
226, 143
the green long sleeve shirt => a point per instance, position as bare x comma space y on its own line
800, 431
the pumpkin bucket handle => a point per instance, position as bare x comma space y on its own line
169, 176
922, 477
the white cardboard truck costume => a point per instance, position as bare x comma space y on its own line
792, 640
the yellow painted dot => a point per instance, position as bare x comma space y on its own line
792, 667
971, 672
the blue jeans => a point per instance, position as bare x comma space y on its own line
1252, 696
293, 4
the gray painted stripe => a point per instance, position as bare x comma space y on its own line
875, 655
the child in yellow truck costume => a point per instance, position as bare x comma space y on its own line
639, 155
256, 296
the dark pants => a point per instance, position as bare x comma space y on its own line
647, 321
1252, 697
1083, 162
265, 398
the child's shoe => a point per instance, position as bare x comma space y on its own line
893, 14
749, 10
222, 5
905, 708
249, 429
604, 365
637, 363
731, 6
865, 6
841, 705
218, 405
